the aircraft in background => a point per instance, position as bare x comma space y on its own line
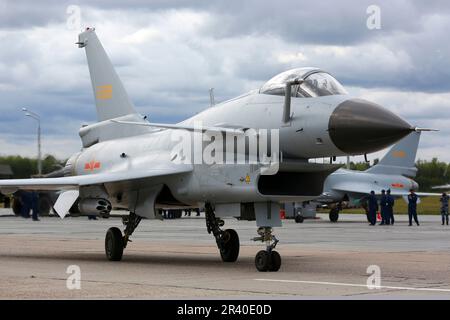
129, 163
443, 187
394, 171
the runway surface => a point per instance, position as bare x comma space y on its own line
177, 259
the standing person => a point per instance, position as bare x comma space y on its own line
373, 208
35, 205
25, 201
390, 207
412, 207
383, 208
444, 207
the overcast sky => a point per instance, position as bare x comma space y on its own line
169, 53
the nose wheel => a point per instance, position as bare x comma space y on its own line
269, 259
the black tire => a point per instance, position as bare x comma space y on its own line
74, 210
105, 216
114, 244
7, 202
44, 206
230, 250
334, 215
299, 219
16, 206
262, 261
275, 261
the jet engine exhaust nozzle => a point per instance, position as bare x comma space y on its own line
358, 126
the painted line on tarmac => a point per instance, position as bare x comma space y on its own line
353, 285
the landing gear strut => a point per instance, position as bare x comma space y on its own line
115, 242
227, 240
269, 259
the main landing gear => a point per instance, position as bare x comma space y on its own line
334, 212
227, 240
269, 259
115, 242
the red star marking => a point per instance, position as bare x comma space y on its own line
92, 165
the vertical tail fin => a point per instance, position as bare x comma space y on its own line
401, 158
111, 99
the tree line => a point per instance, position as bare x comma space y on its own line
23, 167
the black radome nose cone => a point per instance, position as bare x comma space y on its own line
358, 126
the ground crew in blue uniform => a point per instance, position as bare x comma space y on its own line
25, 201
444, 207
390, 201
373, 208
383, 208
412, 207
35, 205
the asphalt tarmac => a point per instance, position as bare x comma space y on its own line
177, 259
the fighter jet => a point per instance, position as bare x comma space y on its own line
130, 163
394, 171
442, 187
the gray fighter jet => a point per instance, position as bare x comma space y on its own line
130, 163
394, 172
442, 187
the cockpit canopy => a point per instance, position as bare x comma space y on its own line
317, 83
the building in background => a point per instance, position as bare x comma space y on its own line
5, 171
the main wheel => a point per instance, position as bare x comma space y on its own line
114, 244
299, 219
334, 215
16, 206
262, 261
275, 261
230, 249
44, 206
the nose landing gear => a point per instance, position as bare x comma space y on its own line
269, 259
